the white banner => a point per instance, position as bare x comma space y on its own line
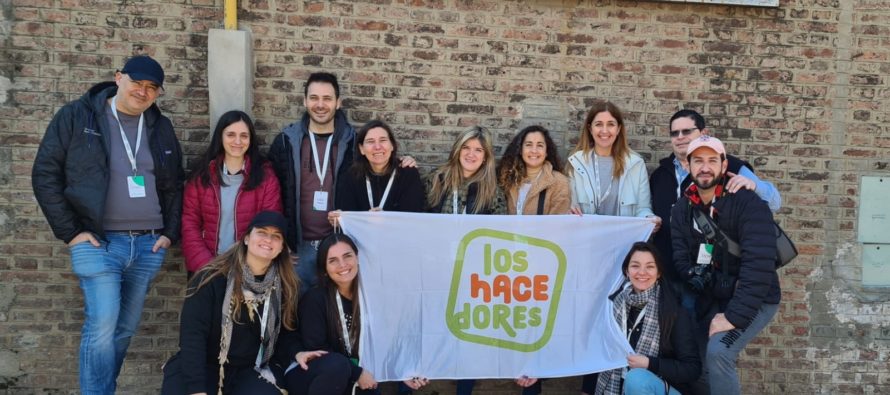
476, 296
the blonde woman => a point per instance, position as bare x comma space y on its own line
467, 183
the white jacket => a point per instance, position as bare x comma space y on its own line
633, 197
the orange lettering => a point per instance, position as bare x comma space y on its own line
501, 286
518, 294
541, 287
477, 286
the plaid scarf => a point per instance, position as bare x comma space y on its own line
255, 293
610, 382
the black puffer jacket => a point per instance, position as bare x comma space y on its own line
745, 218
663, 185
284, 154
70, 174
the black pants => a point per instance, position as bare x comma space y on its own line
243, 380
328, 374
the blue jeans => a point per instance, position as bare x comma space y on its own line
639, 381
723, 352
115, 278
306, 266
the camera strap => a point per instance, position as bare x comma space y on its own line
711, 231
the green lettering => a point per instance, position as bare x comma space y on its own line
520, 261
487, 264
502, 260
519, 317
534, 316
481, 317
501, 319
462, 317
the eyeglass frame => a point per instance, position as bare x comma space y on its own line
147, 85
685, 132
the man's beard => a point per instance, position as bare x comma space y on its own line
714, 181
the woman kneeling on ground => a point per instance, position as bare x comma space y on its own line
330, 320
238, 321
665, 358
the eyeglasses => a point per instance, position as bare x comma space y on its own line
686, 132
148, 86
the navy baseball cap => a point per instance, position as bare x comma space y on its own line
269, 218
144, 68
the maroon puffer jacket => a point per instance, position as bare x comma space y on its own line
201, 208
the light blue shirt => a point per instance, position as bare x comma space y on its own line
766, 190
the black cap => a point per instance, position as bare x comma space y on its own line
144, 68
269, 218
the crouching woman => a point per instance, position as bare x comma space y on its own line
238, 321
330, 320
665, 358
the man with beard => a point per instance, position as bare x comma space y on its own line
308, 157
737, 296
670, 178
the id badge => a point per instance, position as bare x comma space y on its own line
320, 201
136, 186
705, 251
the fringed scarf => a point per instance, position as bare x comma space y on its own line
609, 382
265, 293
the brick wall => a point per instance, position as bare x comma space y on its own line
801, 91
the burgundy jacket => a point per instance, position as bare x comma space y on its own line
201, 212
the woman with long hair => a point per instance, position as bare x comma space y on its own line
467, 183
330, 320
238, 321
665, 358
229, 184
530, 175
607, 177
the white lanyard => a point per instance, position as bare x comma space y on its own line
454, 204
636, 324
131, 154
385, 191
343, 324
599, 198
319, 170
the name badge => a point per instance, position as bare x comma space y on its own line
320, 201
136, 186
705, 251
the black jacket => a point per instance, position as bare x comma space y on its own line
679, 364
745, 218
284, 154
315, 327
200, 330
663, 187
70, 174
406, 193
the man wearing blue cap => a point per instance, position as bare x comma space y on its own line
108, 177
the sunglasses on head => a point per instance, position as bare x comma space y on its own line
686, 132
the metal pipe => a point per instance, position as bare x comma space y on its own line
231, 10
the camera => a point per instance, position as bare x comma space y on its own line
700, 277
